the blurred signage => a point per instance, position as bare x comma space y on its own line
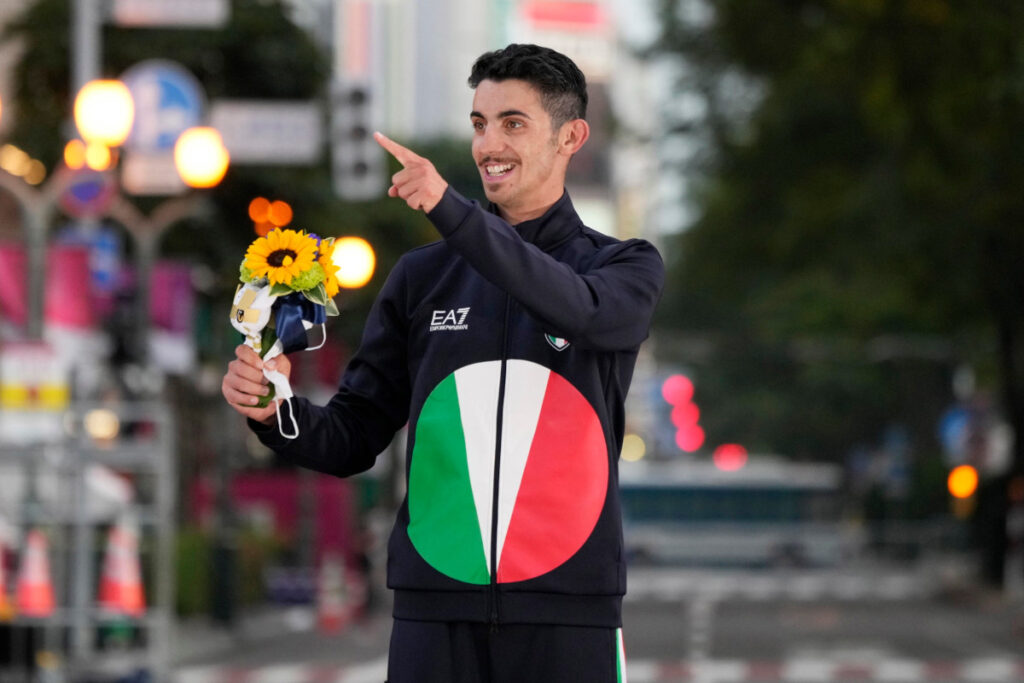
263, 131
168, 100
34, 392
104, 246
567, 16
88, 193
580, 30
150, 173
186, 13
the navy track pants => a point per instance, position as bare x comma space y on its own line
461, 652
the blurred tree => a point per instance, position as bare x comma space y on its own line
859, 213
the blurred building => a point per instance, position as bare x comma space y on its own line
417, 57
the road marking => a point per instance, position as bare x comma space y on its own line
673, 585
794, 670
701, 614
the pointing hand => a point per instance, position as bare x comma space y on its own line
418, 183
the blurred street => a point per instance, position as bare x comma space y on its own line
820, 467
869, 623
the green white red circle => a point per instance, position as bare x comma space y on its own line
553, 472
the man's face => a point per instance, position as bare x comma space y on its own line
515, 149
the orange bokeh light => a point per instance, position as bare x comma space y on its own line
258, 209
963, 481
279, 213
74, 154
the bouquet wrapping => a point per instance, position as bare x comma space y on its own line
288, 282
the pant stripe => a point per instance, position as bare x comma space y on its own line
620, 656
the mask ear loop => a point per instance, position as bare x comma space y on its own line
323, 337
284, 392
291, 414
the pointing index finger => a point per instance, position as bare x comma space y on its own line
403, 154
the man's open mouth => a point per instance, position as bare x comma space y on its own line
497, 171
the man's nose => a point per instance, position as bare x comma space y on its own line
488, 142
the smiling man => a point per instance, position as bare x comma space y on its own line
507, 347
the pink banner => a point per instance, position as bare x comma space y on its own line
67, 303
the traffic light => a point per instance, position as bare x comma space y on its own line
358, 162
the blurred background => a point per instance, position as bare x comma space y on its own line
821, 477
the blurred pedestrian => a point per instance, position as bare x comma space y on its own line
508, 346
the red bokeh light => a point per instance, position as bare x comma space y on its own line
690, 439
685, 415
677, 389
730, 457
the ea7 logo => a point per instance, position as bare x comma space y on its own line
454, 319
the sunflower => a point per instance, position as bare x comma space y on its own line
330, 269
281, 256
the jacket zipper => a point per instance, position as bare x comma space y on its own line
497, 469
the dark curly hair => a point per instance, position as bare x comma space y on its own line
562, 86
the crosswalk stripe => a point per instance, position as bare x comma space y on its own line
796, 670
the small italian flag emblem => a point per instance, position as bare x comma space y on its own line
558, 343
552, 476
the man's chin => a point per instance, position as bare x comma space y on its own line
493, 192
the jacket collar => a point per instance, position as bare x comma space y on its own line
559, 223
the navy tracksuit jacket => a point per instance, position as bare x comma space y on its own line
509, 351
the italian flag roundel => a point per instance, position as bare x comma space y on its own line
553, 474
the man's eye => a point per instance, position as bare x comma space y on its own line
514, 124
478, 125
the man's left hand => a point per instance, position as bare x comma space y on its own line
418, 183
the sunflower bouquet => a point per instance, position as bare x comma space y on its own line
288, 281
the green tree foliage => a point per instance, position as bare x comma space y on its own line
858, 167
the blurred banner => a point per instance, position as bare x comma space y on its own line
68, 301
172, 307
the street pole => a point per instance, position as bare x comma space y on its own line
146, 232
86, 39
37, 209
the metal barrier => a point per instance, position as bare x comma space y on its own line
109, 463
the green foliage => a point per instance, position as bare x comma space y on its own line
858, 177
256, 550
192, 572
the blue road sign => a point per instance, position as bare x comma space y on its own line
168, 100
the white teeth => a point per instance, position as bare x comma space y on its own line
498, 170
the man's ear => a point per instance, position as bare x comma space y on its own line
572, 136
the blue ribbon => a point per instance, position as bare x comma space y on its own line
289, 312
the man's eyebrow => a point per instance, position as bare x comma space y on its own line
503, 115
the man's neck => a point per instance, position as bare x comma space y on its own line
515, 216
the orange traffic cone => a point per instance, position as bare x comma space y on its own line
331, 602
35, 589
6, 606
121, 584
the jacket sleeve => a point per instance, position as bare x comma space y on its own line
606, 308
345, 436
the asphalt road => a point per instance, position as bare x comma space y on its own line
747, 627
